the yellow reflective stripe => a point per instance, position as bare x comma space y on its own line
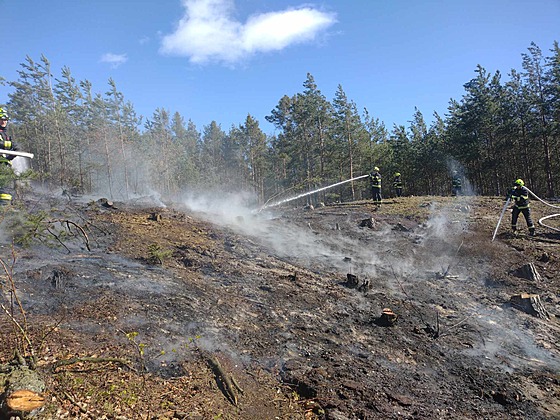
7, 144
5, 196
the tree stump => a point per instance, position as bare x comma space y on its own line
387, 318
369, 223
106, 203
23, 390
531, 304
352, 281
529, 272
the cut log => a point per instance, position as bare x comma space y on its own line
531, 304
23, 392
24, 401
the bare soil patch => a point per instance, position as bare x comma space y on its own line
289, 304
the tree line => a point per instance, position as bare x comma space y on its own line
96, 143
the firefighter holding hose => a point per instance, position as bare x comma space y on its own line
519, 194
6, 172
375, 184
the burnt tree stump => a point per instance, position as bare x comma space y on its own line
352, 281
369, 223
387, 318
106, 203
531, 304
156, 217
529, 272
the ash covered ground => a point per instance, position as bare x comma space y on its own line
337, 312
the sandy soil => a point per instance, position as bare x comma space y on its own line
184, 312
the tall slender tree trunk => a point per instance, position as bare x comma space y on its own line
125, 162
108, 158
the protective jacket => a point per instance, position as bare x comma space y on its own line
375, 179
456, 182
520, 197
397, 183
6, 143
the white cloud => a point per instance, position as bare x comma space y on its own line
114, 59
208, 31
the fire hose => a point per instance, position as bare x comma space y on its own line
546, 217
15, 153
540, 220
501, 217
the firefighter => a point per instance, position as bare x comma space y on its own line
397, 184
456, 184
519, 194
6, 172
375, 182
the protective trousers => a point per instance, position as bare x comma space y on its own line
6, 183
526, 213
376, 195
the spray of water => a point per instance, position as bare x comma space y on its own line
311, 192
20, 165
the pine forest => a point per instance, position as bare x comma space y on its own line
502, 128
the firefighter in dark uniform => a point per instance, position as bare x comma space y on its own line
375, 182
520, 197
397, 184
6, 172
456, 184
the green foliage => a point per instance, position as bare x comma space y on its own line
7, 176
157, 255
93, 142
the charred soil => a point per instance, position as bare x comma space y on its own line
338, 312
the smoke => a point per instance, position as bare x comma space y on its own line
283, 236
455, 166
507, 346
20, 165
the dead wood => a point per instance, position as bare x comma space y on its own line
23, 390
225, 381
369, 223
387, 318
106, 203
531, 304
73, 360
529, 272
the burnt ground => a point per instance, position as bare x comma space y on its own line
289, 303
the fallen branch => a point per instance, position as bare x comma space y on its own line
76, 403
73, 360
224, 382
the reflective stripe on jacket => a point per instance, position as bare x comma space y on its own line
375, 179
520, 197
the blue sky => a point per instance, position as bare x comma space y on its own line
224, 59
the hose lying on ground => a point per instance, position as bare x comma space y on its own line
546, 217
